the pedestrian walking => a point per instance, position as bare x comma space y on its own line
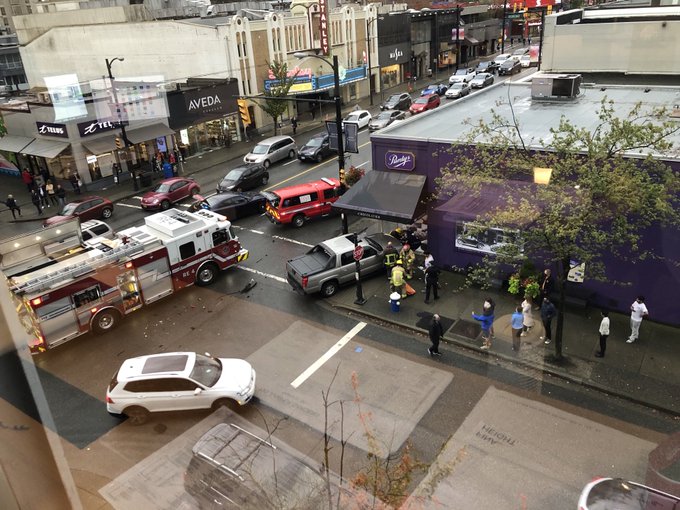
357, 107
547, 285
408, 257
42, 192
436, 333
548, 312
527, 315
38, 180
429, 259
294, 124
638, 310
604, 333
27, 178
13, 206
397, 279
49, 187
35, 198
61, 197
489, 310
517, 324
485, 321
173, 162
74, 180
431, 282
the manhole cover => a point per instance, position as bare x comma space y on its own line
467, 329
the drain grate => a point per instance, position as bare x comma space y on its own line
466, 329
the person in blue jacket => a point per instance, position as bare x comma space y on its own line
485, 321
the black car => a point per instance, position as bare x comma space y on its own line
316, 149
487, 67
244, 177
510, 66
231, 204
397, 102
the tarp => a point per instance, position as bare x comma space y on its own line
45, 148
100, 145
391, 196
13, 143
145, 133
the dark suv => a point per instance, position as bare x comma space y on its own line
316, 149
489, 66
510, 66
243, 178
397, 102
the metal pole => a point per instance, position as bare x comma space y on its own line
505, 10
457, 36
540, 41
338, 127
370, 70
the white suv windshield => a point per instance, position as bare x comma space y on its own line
206, 370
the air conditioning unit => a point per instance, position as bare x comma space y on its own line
556, 86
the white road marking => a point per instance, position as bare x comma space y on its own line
362, 164
292, 241
266, 275
137, 197
329, 354
128, 205
291, 161
255, 231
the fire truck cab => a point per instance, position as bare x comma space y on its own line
64, 287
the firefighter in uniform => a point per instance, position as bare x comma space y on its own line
408, 256
391, 256
397, 279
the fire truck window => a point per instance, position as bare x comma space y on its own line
86, 296
187, 250
219, 237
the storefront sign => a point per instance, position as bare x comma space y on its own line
323, 26
93, 127
202, 104
160, 143
394, 54
50, 129
295, 72
398, 160
184, 136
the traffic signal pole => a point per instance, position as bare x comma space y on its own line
338, 127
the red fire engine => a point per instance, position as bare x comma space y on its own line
64, 287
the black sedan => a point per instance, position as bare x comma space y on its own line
489, 66
316, 149
243, 178
232, 205
397, 102
510, 66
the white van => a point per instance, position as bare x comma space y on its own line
271, 150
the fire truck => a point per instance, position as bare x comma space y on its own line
63, 287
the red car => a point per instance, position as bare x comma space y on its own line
86, 208
169, 191
425, 103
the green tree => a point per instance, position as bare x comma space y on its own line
599, 199
3, 129
272, 105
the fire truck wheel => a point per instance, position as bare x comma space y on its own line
136, 415
206, 274
105, 320
165, 205
299, 220
224, 402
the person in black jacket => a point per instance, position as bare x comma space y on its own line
548, 312
35, 198
431, 282
436, 333
13, 206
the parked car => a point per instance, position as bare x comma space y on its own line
520, 51
232, 204
459, 89
316, 149
94, 228
386, 118
272, 150
482, 80
397, 102
510, 66
168, 192
618, 494
359, 117
463, 74
501, 58
435, 88
243, 178
425, 103
86, 208
331, 263
177, 381
525, 60
490, 66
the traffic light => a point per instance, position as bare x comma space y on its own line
549, 9
119, 143
243, 110
341, 175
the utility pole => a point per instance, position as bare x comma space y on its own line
458, 9
505, 10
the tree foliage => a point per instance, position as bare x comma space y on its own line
276, 107
607, 187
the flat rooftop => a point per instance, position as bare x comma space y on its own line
447, 124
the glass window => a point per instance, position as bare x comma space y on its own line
219, 237
87, 296
330, 193
369, 252
347, 258
187, 250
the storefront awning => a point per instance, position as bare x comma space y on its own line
100, 145
45, 148
14, 143
391, 196
151, 132
471, 41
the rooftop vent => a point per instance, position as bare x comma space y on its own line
556, 87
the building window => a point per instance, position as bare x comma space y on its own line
16, 10
2, 11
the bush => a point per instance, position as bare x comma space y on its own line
353, 175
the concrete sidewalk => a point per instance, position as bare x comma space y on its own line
644, 372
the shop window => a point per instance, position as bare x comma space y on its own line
187, 250
87, 296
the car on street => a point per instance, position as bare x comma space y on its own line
489, 66
359, 117
510, 66
271, 150
434, 88
86, 208
482, 80
168, 192
92, 229
243, 178
525, 60
316, 149
519, 52
177, 381
501, 58
463, 74
397, 102
232, 204
619, 494
331, 263
457, 90
425, 103
386, 118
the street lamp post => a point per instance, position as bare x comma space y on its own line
505, 11
120, 122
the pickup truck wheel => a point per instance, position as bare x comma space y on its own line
137, 415
298, 220
105, 320
328, 289
206, 274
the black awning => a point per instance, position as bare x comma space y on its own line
471, 41
391, 196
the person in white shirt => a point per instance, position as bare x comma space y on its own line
638, 310
604, 333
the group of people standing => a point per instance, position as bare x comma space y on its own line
43, 192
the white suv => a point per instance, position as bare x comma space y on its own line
178, 381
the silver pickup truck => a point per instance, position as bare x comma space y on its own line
331, 263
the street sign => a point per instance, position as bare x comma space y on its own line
358, 252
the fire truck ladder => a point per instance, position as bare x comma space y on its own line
44, 282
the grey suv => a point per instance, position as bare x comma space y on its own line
271, 150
